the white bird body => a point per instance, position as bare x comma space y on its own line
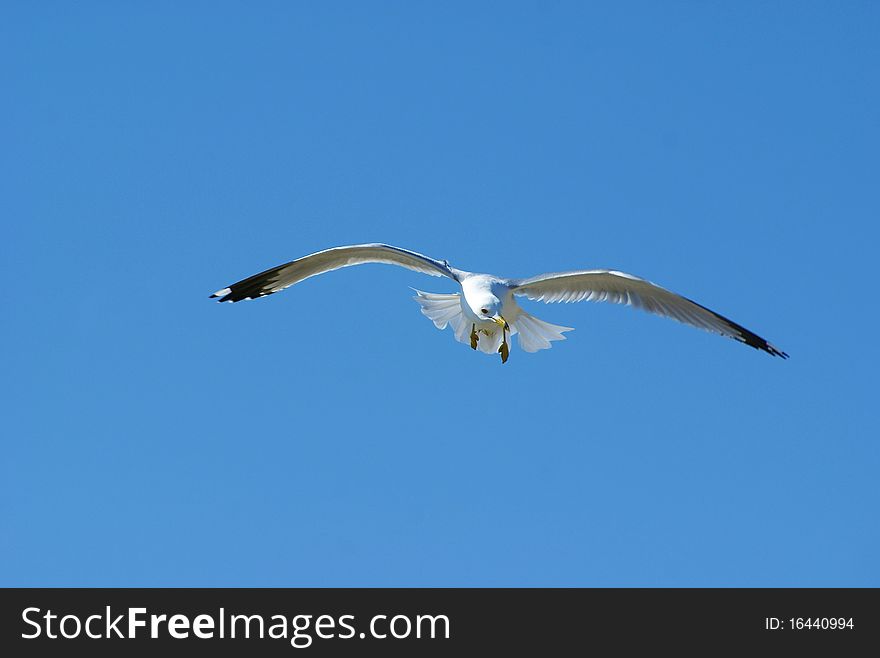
464, 311
485, 310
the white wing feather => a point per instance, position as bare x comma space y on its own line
622, 288
284, 276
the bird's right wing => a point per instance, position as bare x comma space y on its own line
284, 276
622, 288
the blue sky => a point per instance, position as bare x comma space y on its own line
330, 435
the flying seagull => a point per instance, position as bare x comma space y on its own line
484, 314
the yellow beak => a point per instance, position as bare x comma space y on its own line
501, 322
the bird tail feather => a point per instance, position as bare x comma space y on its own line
445, 309
535, 334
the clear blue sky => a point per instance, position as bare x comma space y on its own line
330, 435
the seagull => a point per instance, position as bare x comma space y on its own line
485, 313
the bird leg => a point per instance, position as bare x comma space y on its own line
474, 337
504, 350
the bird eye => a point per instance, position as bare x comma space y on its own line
485, 310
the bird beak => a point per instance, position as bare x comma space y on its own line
501, 322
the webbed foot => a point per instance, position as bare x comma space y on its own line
504, 350
474, 337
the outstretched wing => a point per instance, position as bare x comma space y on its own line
621, 288
283, 276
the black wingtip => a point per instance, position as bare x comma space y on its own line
745, 336
224, 294
759, 343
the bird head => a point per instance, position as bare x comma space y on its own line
489, 308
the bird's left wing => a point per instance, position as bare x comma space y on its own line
284, 276
621, 288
